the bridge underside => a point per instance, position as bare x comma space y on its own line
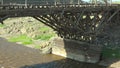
87, 24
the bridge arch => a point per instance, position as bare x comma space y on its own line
77, 22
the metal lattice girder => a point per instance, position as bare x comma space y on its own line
83, 23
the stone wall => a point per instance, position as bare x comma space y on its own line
76, 50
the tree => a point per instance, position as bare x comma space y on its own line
101, 1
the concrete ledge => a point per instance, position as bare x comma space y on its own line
76, 50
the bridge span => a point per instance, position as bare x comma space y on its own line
85, 22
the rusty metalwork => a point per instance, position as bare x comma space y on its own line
87, 23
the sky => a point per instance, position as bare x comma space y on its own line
112, 0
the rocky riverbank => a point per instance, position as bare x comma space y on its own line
27, 31
14, 55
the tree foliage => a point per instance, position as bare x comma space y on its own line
101, 1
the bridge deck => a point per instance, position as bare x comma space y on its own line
77, 22
36, 10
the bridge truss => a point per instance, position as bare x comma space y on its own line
87, 23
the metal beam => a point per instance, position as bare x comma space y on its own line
26, 1
1, 2
110, 2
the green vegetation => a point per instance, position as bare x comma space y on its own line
30, 31
37, 46
21, 38
111, 53
46, 33
44, 29
1, 25
44, 36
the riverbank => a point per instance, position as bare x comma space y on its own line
14, 55
27, 31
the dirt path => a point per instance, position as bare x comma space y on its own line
13, 55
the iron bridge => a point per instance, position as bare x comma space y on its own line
89, 23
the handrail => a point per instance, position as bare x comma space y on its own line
50, 2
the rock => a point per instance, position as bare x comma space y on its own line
76, 50
21, 26
23, 30
2, 31
46, 47
46, 50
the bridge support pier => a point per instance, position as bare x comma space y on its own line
76, 50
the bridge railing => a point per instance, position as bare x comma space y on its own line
44, 2
14, 7
27, 4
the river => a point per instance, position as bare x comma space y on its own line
14, 55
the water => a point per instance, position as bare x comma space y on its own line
14, 55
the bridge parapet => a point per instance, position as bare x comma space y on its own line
2, 7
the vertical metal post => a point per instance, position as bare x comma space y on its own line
95, 2
110, 2
78, 2
55, 2
26, 3
1, 2
63, 2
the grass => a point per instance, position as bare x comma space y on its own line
45, 32
45, 29
37, 46
21, 38
1, 25
45, 36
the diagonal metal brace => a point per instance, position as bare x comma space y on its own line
113, 15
